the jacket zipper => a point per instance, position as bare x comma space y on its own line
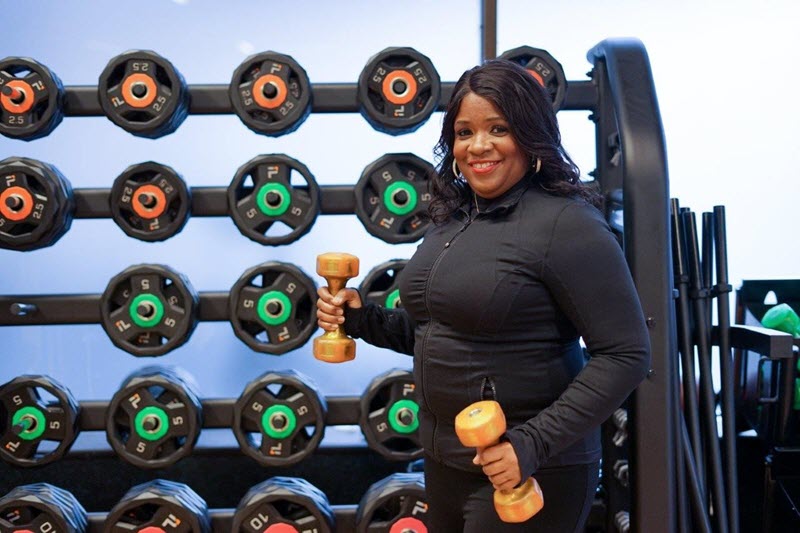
488, 391
428, 330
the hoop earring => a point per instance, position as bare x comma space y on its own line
456, 173
537, 166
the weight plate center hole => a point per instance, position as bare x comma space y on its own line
400, 198
16, 95
151, 424
399, 87
270, 91
278, 421
139, 90
15, 202
405, 416
146, 310
274, 308
274, 199
147, 200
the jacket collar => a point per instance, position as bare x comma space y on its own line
505, 202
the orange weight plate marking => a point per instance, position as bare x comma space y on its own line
536, 76
12, 102
20, 194
258, 91
149, 212
135, 101
407, 95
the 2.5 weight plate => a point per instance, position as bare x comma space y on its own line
544, 69
144, 94
398, 90
31, 99
150, 201
36, 204
271, 94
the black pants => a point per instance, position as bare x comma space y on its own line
460, 501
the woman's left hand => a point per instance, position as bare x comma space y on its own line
500, 464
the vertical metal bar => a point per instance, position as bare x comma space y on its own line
648, 251
488, 29
722, 288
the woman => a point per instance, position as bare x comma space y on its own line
517, 265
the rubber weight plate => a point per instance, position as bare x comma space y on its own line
382, 285
390, 416
144, 94
392, 197
271, 307
31, 99
271, 193
155, 417
41, 508
150, 201
544, 68
38, 420
159, 506
398, 90
271, 94
284, 505
36, 204
149, 310
279, 419
395, 504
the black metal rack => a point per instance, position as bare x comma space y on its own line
631, 168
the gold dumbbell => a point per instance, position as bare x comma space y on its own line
336, 268
481, 425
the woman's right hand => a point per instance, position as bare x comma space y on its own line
330, 307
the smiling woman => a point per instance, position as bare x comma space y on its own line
486, 150
495, 301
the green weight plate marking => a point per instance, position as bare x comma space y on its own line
273, 210
162, 423
394, 416
271, 415
274, 319
146, 299
393, 300
33, 421
389, 198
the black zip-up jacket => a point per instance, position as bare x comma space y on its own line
494, 305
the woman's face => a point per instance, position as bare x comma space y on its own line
485, 150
